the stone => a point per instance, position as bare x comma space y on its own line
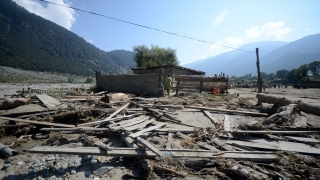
103, 170
5, 166
51, 158
73, 171
19, 163
94, 161
122, 168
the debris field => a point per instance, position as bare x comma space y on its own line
105, 135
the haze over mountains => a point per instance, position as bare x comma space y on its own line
32, 43
274, 55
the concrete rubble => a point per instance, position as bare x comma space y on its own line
105, 135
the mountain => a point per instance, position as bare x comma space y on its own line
273, 56
229, 62
32, 43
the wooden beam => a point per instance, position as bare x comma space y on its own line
301, 139
117, 111
183, 136
214, 120
226, 123
172, 130
169, 142
37, 114
137, 126
109, 120
146, 130
128, 124
150, 146
138, 152
280, 146
229, 111
37, 122
77, 129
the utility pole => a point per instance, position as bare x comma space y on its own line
259, 75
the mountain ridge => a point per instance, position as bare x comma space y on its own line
32, 43
273, 55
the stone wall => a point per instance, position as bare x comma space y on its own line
147, 84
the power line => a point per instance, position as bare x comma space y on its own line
146, 26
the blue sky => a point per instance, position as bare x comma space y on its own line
227, 22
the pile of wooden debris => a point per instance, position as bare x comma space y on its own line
279, 145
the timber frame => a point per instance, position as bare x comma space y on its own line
201, 83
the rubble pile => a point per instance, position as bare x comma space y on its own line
116, 135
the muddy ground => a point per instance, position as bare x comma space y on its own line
40, 166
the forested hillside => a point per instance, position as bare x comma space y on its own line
33, 43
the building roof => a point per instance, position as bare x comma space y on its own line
158, 67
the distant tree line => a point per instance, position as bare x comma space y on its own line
294, 75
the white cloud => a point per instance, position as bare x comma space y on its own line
203, 56
218, 48
90, 41
235, 41
221, 16
308, 29
269, 29
62, 16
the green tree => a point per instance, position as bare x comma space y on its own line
155, 56
271, 76
302, 72
263, 75
291, 75
281, 73
89, 80
314, 67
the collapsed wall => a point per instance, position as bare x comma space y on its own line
147, 84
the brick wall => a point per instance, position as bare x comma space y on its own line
130, 83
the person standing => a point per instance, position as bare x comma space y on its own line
168, 84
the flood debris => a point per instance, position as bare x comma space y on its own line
117, 134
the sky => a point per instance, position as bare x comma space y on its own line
221, 22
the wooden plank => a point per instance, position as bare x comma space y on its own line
138, 152
173, 130
137, 126
275, 132
169, 142
226, 123
281, 146
229, 111
146, 130
109, 120
223, 145
127, 121
128, 124
301, 139
207, 146
77, 129
129, 141
37, 122
183, 136
150, 146
49, 101
164, 106
37, 114
214, 120
117, 111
